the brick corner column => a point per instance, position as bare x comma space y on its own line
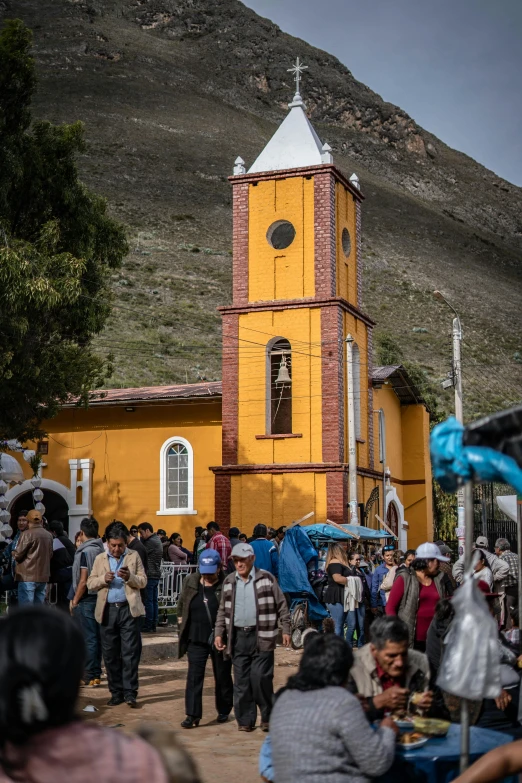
240, 243
332, 383
230, 386
325, 236
358, 236
337, 496
222, 501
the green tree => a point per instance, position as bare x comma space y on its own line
58, 247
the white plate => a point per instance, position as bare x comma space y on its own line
413, 745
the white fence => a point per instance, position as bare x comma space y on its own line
171, 582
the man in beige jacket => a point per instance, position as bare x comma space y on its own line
118, 576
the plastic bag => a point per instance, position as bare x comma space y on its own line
470, 665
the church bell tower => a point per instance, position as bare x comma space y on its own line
291, 380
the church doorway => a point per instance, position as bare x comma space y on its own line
392, 518
56, 507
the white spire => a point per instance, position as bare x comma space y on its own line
295, 144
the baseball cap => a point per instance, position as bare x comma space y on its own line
209, 561
444, 549
243, 550
430, 551
482, 541
34, 516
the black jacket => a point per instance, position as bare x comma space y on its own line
188, 593
154, 549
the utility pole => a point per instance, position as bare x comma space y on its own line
352, 440
382, 456
455, 380
464, 510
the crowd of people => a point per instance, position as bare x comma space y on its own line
391, 613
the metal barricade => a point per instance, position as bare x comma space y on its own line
171, 582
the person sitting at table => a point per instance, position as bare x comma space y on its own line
386, 671
317, 727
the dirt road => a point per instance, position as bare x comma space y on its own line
222, 752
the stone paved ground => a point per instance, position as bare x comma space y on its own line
223, 753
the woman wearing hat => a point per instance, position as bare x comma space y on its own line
415, 593
197, 610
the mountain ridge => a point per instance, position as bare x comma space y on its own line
171, 92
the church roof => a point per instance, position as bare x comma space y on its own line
184, 391
294, 144
397, 376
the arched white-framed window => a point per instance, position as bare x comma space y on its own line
176, 477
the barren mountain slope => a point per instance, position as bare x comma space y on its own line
171, 92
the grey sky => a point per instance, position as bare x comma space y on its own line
455, 65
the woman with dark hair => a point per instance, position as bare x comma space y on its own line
415, 593
41, 665
318, 728
482, 571
175, 553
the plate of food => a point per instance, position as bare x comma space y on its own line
412, 740
403, 722
431, 726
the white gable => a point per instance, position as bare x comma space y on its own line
294, 144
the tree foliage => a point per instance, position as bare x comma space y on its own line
58, 247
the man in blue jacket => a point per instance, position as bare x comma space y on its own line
267, 556
378, 595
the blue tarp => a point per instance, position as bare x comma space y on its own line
454, 463
295, 553
330, 533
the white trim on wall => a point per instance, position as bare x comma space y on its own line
164, 510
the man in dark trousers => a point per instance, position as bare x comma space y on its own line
83, 603
247, 625
118, 576
154, 548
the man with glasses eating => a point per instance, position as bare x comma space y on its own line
378, 595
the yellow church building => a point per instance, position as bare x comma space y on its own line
301, 422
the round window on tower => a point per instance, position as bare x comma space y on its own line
346, 242
281, 234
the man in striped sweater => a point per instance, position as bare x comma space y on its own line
247, 624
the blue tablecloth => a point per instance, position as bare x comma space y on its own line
438, 760
435, 762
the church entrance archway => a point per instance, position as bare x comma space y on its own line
56, 507
392, 518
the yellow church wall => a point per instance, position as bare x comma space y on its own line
386, 399
302, 328
418, 501
126, 447
346, 265
276, 499
289, 273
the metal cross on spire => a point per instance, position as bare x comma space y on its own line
297, 69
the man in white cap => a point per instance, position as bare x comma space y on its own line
247, 624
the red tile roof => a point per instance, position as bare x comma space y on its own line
185, 391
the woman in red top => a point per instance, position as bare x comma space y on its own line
415, 593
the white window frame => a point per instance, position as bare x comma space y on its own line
164, 509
